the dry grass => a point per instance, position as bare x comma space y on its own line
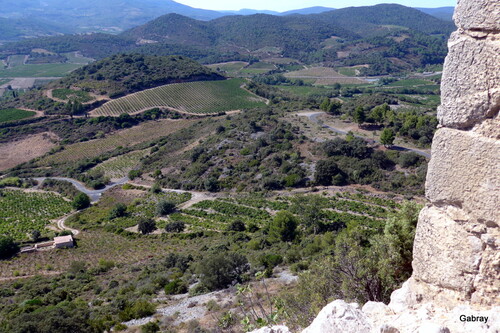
16, 152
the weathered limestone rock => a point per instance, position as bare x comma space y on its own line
465, 172
450, 261
478, 15
470, 90
273, 329
340, 316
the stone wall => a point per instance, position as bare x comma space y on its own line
456, 257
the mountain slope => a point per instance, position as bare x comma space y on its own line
372, 20
443, 13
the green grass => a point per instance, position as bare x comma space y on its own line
72, 95
258, 68
204, 97
347, 71
230, 67
39, 70
73, 59
14, 114
22, 212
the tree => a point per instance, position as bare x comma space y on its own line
309, 210
283, 227
325, 171
176, 226
334, 107
359, 115
387, 137
35, 235
220, 270
119, 210
164, 207
237, 225
81, 201
324, 105
7, 247
146, 226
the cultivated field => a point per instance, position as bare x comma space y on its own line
72, 95
39, 70
118, 167
253, 209
14, 114
207, 97
128, 137
323, 76
22, 212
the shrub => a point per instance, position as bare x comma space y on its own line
237, 225
146, 226
7, 247
81, 201
151, 327
119, 210
220, 270
283, 227
176, 287
164, 207
176, 226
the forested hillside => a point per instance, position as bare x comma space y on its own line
350, 36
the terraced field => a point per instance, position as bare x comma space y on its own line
22, 212
118, 167
93, 148
338, 210
207, 97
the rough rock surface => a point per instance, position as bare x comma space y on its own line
455, 284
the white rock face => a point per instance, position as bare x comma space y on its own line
340, 316
478, 15
470, 90
273, 329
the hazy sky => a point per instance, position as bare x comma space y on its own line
284, 5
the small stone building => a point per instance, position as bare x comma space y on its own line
63, 241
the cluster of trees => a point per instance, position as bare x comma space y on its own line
353, 161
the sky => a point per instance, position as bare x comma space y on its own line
284, 5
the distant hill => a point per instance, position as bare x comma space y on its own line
14, 29
96, 15
373, 20
393, 36
443, 13
124, 74
307, 11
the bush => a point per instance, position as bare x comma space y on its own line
81, 201
164, 207
7, 247
151, 327
119, 210
237, 225
146, 226
176, 226
176, 287
411, 159
283, 227
220, 270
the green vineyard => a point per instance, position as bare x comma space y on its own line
204, 97
119, 167
22, 212
337, 210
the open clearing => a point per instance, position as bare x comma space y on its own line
145, 132
323, 76
203, 97
16, 152
39, 70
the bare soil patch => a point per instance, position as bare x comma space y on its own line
20, 151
